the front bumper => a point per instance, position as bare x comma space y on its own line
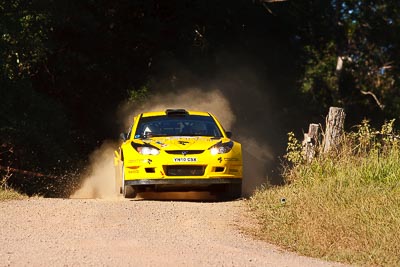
197, 166
183, 181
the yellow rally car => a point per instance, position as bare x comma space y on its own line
178, 150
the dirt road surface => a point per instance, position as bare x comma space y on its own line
120, 232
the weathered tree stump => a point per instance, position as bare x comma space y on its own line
310, 142
334, 128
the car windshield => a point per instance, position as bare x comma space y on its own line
188, 125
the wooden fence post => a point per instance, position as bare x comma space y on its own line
310, 142
334, 128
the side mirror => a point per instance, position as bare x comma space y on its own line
228, 134
123, 136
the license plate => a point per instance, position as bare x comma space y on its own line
185, 159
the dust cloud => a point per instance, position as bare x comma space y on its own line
256, 154
98, 182
193, 99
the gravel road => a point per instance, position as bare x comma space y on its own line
120, 232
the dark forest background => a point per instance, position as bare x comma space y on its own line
67, 65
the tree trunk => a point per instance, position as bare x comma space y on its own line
334, 128
310, 142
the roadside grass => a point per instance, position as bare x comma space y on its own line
342, 207
9, 194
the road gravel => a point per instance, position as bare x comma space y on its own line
120, 232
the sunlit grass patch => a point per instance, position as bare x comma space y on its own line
9, 194
343, 207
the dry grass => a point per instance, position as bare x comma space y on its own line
345, 207
9, 194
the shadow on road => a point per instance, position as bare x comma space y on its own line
202, 196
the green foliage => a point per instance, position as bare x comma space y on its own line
23, 43
367, 139
349, 54
320, 79
138, 96
294, 150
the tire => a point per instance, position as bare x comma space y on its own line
233, 191
127, 190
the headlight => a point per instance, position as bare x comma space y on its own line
146, 149
221, 148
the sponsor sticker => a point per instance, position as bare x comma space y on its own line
187, 159
161, 144
135, 161
231, 159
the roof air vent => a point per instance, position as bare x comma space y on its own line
176, 112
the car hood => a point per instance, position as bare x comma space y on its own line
183, 142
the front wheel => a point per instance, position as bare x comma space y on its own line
129, 191
233, 191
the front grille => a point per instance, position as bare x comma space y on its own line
219, 169
150, 170
184, 152
184, 170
